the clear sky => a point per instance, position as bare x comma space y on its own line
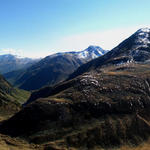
36, 28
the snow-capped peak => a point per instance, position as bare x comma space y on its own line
91, 52
145, 30
143, 38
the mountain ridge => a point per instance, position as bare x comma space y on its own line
9, 62
53, 68
105, 107
136, 48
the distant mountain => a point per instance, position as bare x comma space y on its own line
88, 54
52, 69
134, 49
10, 62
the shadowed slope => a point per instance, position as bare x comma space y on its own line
107, 107
52, 69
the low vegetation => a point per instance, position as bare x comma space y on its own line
11, 99
104, 109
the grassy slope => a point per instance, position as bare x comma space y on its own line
10, 103
8, 143
16, 99
10, 99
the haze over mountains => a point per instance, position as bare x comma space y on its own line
10, 62
104, 104
52, 69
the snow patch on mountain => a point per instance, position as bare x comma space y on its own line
144, 30
91, 52
83, 54
142, 39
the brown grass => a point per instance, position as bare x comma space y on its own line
8, 143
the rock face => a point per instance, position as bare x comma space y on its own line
53, 69
109, 106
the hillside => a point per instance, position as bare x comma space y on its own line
52, 69
10, 99
106, 106
100, 109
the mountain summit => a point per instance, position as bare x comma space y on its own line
134, 49
88, 54
91, 52
142, 38
53, 68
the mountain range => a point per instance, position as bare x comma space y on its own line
9, 62
52, 69
104, 104
134, 49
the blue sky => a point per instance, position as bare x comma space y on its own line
36, 28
